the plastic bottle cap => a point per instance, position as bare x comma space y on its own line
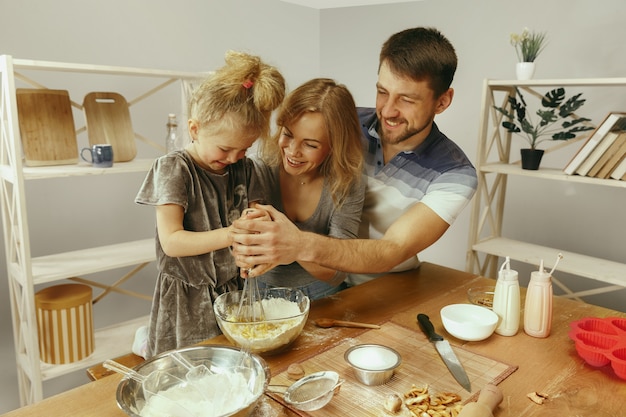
540, 275
507, 274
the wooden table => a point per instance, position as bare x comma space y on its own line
549, 366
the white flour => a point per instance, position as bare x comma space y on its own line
208, 396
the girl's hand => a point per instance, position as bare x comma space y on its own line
247, 270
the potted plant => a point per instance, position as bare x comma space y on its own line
556, 121
528, 45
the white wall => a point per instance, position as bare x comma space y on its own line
586, 40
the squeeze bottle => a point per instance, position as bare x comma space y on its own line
506, 300
538, 307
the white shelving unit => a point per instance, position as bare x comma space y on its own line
495, 165
24, 271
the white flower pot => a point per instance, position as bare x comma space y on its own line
525, 70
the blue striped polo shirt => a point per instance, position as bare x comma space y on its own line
437, 173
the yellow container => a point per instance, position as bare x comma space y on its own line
65, 323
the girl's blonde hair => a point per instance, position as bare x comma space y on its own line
343, 166
240, 95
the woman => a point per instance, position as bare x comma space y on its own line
315, 161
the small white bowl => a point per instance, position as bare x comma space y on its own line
468, 321
373, 364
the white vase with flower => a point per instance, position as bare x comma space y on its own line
528, 45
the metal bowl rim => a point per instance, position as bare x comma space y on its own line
376, 345
304, 312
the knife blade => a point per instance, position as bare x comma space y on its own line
445, 351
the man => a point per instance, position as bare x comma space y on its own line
418, 180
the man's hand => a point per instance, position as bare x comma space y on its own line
265, 244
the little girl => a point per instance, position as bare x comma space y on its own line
199, 191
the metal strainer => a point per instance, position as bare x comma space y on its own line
311, 392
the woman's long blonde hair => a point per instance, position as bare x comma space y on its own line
242, 94
343, 166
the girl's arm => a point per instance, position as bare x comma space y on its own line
177, 242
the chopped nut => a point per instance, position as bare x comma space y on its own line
422, 404
416, 400
448, 398
393, 403
537, 397
295, 371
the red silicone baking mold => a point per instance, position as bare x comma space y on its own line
600, 341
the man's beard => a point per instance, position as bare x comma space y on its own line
403, 136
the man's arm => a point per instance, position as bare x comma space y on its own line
281, 242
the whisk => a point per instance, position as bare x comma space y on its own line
250, 311
250, 296
250, 305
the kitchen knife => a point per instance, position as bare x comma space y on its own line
445, 351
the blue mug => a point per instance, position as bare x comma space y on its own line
101, 155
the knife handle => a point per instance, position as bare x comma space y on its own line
428, 328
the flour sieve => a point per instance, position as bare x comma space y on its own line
311, 392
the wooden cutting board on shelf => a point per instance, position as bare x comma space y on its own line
46, 127
108, 121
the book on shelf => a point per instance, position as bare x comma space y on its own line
603, 145
619, 173
610, 121
610, 159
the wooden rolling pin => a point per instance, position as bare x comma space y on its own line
488, 399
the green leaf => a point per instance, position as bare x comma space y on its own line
571, 105
581, 129
521, 96
563, 136
504, 112
553, 98
547, 116
528, 128
568, 123
511, 127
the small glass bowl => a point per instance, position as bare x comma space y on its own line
481, 296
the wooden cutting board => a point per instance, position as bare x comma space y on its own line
108, 121
421, 366
46, 127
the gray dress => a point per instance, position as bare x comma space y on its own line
328, 220
182, 306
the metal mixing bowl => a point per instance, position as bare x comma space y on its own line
219, 359
373, 364
271, 335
